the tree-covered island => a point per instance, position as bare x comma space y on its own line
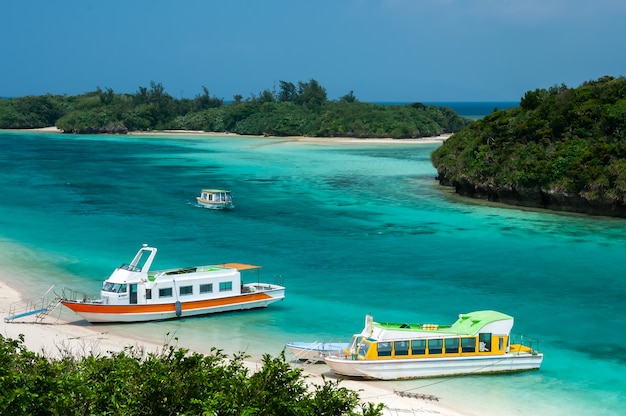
562, 149
290, 110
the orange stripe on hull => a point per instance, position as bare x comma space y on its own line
99, 308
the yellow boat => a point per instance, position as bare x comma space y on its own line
477, 343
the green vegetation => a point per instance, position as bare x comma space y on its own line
173, 382
293, 110
562, 149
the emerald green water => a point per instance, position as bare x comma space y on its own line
350, 228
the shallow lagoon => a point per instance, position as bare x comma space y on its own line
350, 228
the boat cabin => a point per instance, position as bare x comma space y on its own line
479, 333
483, 344
135, 284
215, 199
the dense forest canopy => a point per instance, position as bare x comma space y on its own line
301, 109
562, 148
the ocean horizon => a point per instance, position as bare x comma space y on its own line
350, 229
471, 109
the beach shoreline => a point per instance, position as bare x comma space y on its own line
303, 139
55, 336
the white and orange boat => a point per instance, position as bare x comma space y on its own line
134, 293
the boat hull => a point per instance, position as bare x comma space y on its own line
96, 312
399, 369
212, 205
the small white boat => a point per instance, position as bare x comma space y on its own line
215, 199
477, 343
134, 293
315, 352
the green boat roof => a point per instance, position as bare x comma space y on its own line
467, 324
471, 323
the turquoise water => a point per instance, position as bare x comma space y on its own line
351, 228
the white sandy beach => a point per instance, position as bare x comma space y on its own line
303, 139
56, 335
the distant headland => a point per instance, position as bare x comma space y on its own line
301, 109
562, 149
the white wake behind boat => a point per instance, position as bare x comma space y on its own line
134, 293
315, 351
477, 343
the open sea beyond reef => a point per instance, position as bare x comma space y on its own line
350, 228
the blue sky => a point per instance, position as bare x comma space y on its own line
383, 50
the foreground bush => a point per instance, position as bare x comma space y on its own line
171, 382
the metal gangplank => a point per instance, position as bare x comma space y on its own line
300, 357
38, 308
320, 352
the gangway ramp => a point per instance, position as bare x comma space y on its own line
38, 308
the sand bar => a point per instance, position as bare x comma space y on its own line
303, 139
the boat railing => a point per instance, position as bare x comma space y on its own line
38, 308
321, 349
75, 295
264, 287
528, 344
258, 287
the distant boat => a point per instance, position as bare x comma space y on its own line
477, 343
215, 199
134, 293
315, 352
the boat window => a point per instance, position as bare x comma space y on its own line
401, 347
384, 349
226, 286
186, 290
148, 293
206, 288
435, 346
501, 343
418, 346
165, 293
354, 343
452, 345
114, 287
468, 344
484, 342
364, 347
